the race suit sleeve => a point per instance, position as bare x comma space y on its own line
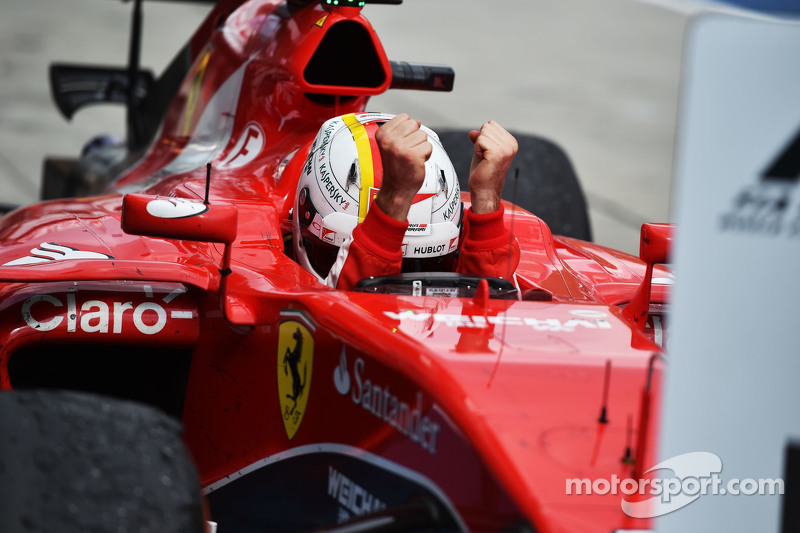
375, 249
488, 248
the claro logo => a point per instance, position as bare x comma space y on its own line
46, 312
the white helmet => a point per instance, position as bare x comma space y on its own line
340, 179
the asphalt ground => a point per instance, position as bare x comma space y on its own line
600, 78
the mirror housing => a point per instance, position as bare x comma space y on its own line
655, 243
178, 218
183, 219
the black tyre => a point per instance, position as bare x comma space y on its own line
74, 462
547, 186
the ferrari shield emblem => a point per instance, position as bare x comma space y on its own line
295, 358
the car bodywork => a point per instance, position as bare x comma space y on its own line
306, 407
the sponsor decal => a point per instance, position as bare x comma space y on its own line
378, 400
429, 250
46, 312
454, 204
175, 208
330, 187
326, 137
328, 235
247, 147
766, 207
420, 213
417, 228
341, 378
453, 244
50, 251
316, 224
586, 319
352, 497
338, 482
295, 359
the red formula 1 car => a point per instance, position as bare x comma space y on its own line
430, 401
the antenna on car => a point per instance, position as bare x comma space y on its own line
208, 181
642, 443
135, 131
628, 457
508, 275
606, 382
513, 216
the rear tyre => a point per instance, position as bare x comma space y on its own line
74, 462
547, 186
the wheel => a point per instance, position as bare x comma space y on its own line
75, 462
547, 186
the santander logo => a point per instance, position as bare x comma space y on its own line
341, 378
406, 413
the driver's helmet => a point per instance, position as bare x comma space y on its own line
339, 181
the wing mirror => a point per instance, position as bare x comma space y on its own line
655, 243
654, 248
180, 218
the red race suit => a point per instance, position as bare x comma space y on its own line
486, 249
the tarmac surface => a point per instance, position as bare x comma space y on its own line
600, 78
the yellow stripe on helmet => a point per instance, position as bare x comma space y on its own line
364, 150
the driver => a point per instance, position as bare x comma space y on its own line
378, 195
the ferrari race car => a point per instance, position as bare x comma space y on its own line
157, 271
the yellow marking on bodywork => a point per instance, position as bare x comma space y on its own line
194, 92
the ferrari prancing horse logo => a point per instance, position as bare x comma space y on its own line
295, 358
